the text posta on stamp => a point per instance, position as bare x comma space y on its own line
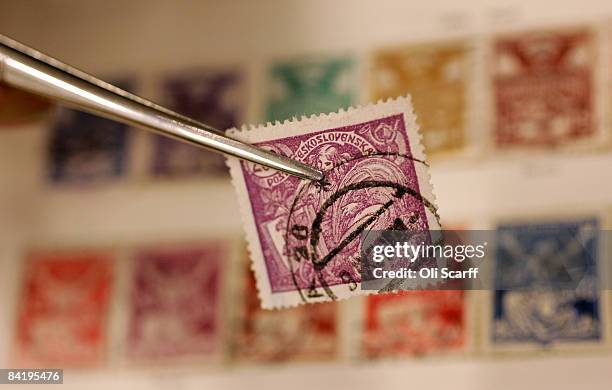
303, 236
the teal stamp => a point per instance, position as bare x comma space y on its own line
310, 86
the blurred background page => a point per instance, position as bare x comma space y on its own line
121, 253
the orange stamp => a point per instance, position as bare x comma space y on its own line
437, 77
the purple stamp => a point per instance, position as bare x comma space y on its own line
304, 237
175, 303
212, 96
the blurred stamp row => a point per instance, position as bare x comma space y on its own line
196, 303
541, 90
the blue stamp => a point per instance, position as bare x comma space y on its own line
214, 97
547, 287
310, 86
85, 148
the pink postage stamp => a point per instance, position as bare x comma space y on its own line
175, 303
304, 237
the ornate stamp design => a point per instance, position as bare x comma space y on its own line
84, 147
214, 97
437, 76
310, 86
304, 237
544, 89
414, 323
175, 303
63, 311
295, 334
548, 289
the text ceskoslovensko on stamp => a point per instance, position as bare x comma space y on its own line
304, 237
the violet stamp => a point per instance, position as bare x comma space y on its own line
175, 303
304, 237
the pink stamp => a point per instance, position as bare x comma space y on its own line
304, 237
175, 298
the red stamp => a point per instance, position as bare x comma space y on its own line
414, 323
544, 87
301, 333
175, 302
63, 311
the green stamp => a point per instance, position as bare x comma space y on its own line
310, 86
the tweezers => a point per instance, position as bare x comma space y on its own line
25, 68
